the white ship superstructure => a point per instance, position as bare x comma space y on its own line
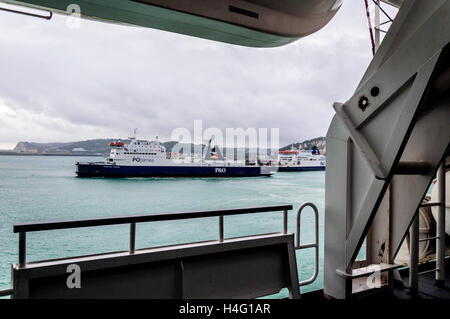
301, 160
142, 158
137, 152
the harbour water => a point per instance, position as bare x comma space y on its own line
45, 188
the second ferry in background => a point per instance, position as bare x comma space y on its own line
301, 160
140, 158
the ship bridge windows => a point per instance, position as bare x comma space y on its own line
135, 153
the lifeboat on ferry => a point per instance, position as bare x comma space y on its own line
254, 23
116, 144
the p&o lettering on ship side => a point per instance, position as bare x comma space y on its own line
143, 160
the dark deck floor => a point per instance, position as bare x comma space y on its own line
427, 284
427, 287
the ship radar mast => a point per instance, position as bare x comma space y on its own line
133, 135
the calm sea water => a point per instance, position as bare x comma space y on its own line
39, 189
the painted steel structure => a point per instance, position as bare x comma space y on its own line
381, 161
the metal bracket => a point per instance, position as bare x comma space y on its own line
366, 271
362, 143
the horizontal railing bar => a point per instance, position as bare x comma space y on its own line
306, 246
366, 271
32, 227
428, 271
427, 239
413, 168
429, 204
6, 292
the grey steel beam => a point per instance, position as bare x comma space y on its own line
409, 190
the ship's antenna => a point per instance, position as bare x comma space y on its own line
133, 135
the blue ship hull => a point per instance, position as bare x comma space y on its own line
105, 170
300, 168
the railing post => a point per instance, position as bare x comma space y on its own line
285, 222
440, 227
132, 237
414, 256
221, 236
22, 249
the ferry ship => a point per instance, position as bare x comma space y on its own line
141, 158
301, 160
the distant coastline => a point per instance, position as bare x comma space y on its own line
100, 147
12, 153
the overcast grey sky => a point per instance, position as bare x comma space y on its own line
104, 80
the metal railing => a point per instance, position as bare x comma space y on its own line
314, 245
417, 241
428, 204
22, 229
439, 270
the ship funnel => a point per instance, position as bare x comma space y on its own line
213, 152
